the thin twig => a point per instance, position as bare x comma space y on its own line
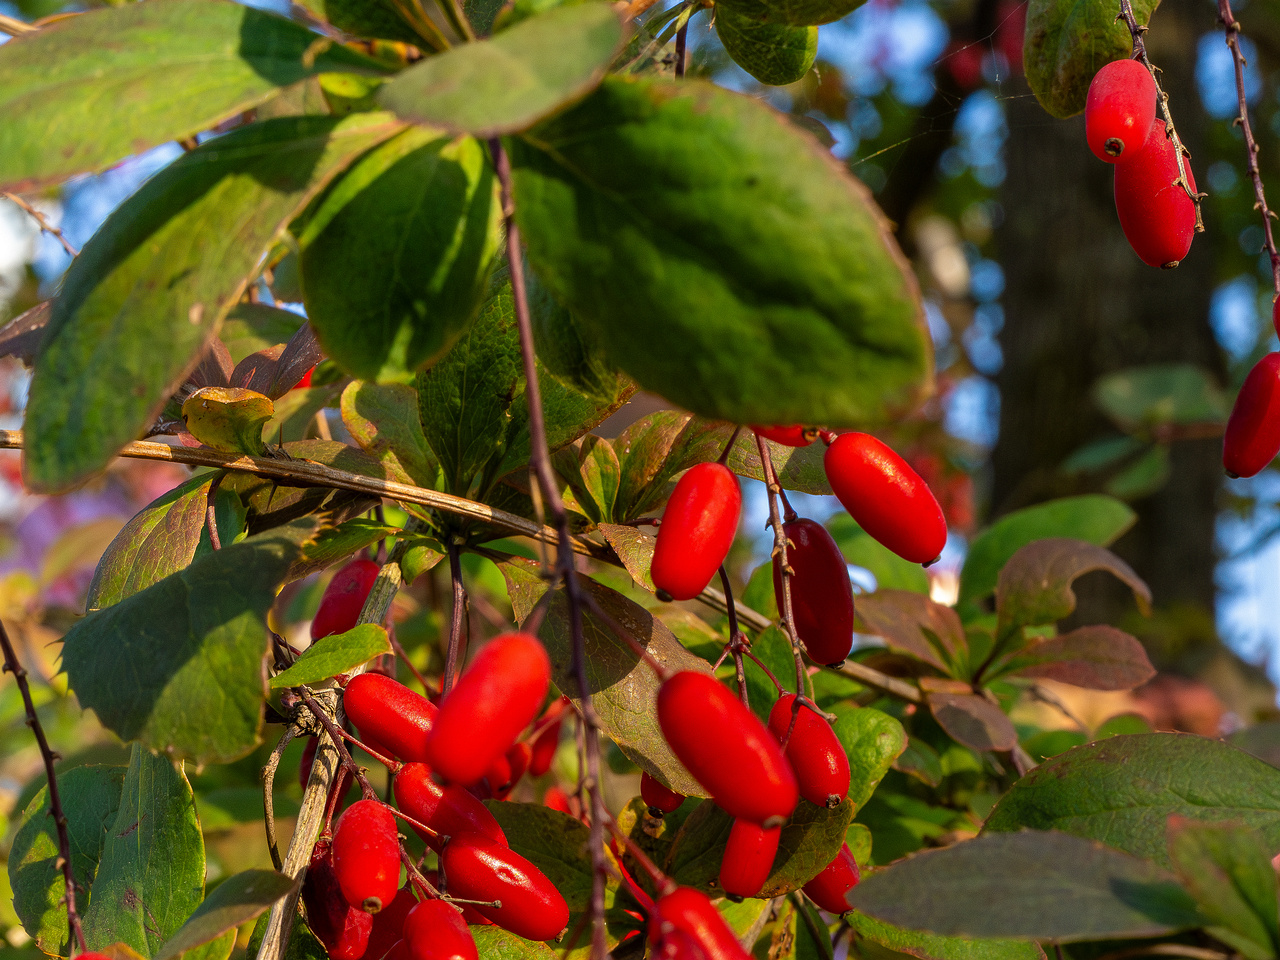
455, 624
734, 646
541, 463
12, 665
211, 513
1232, 28
45, 225
268, 797
786, 614
15, 28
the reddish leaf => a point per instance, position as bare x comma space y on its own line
973, 721
902, 618
1097, 658
1035, 585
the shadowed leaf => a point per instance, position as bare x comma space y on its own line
1035, 585
1098, 657
237, 900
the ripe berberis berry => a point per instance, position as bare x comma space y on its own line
449, 810
1157, 215
1119, 110
479, 869
435, 930
344, 598
889, 500
343, 929
658, 796
391, 714
819, 761
821, 594
789, 436
494, 699
837, 878
687, 912
388, 924
366, 855
726, 748
1253, 429
748, 858
697, 530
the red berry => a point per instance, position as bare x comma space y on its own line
1119, 110
494, 699
507, 770
678, 945
344, 598
660, 798
449, 811
792, 436
342, 928
388, 924
305, 382
1253, 430
748, 858
400, 951
435, 930
888, 499
820, 763
837, 878
686, 911
366, 855
697, 529
479, 869
821, 594
1275, 315
391, 714
1158, 217
726, 748
547, 740
556, 799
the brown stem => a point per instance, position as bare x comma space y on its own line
268, 796
541, 464
11, 665
1232, 28
733, 645
211, 513
455, 624
682, 41
44, 224
786, 614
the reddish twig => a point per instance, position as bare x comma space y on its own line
733, 646
44, 224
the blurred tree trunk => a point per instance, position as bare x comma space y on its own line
1079, 304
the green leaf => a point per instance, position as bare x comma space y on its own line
237, 900
154, 283
90, 796
890, 570
333, 544
1143, 477
774, 650
727, 262
396, 257
1035, 585
512, 80
1097, 657
873, 741
773, 53
1262, 740
163, 538
181, 665
1161, 395
228, 419
634, 549
1123, 789
366, 18
251, 327
494, 943
809, 841
921, 761
1233, 883
797, 13
591, 469
1093, 518
623, 690
569, 350
913, 624
334, 655
1067, 42
173, 68
929, 947
383, 420
1027, 886
151, 876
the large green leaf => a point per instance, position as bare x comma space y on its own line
163, 538
1093, 518
1067, 42
367, 18
80, 94
154, 283
237, 900
181, 665
333, 655
1123, 789
494, 943
929, 947
773, 53
1027, 886
151, 876
569, 350
513, 80
1143, 400
728, 262
797, 13
891, 571
396, 257
383, 420
90, 796
873, 741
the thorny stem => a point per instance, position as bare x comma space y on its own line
1136, 30
1232, 28
734, 646
455, 624
44, 224
786, 615
541, 465
12, 665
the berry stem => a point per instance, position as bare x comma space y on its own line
455, 624
268, 796
12, 665
733, 646
540, 463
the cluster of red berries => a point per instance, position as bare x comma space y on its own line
1158, 216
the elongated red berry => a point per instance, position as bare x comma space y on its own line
691, 913
1119, 110
344, 598
1275, 315
791, 436
821, 594
391, 714
479, 869
449, 810
1158, 217
343, 929
818, 759
660, 798
494, 699
889, 500
726, 748
748, 858
400, 951
388, 923
556, 799
366, 855
678, 945
547, 740
1253, 430
697, 530
435, 930
837, 878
